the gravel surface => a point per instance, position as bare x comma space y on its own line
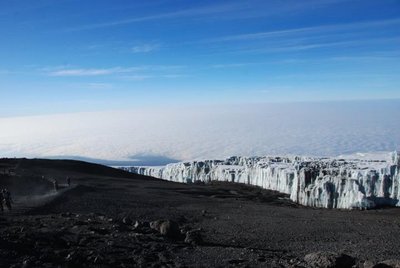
109, 218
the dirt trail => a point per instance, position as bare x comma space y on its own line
24, 204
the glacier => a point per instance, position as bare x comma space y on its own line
360, 181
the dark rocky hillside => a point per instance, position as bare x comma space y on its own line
110, 218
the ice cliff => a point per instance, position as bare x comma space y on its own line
356, 181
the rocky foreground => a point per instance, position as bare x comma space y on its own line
110, 218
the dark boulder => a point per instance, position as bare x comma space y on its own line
167, 228
193, 237
328, 259
394, 263
127, 221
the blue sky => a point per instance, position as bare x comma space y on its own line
69, 56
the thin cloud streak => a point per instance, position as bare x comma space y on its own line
323, 28
108, 71
136, 77
233, 65
288, 47
170, 15
243, 9
297, 60
81, 72
99, 85
145, 48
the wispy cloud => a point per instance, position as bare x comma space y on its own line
145, 48
303, 46
174, 75
374, 56
232, 65
293, 31
351, 35
98, 85
78, 72
59, 71
215, 9
135, 73
394, 57
230, 10
87, 72
139, 77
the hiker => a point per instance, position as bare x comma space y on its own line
55, 184
68, 181
1, 201
7, 198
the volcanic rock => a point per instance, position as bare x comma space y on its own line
193, 237
167, 228
393, 263
327, 259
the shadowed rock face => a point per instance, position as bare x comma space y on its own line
319, 182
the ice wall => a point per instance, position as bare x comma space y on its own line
355, 181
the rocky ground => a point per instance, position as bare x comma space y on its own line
109, 218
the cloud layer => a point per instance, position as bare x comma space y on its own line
188, 133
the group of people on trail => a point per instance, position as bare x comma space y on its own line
6, 200
5, 195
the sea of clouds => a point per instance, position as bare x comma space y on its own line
164, 134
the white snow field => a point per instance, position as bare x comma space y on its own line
208, 132
353, 181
